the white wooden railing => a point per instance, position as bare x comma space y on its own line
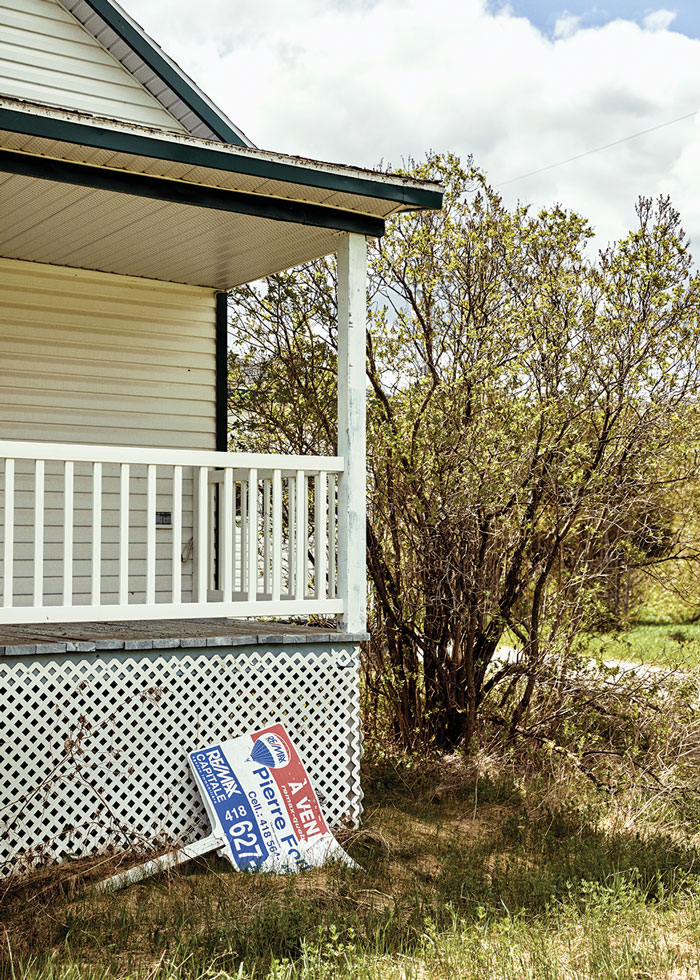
95, 533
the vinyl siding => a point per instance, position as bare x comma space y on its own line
47, 56
88, 357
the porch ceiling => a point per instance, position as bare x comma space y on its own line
88, 228
101, 195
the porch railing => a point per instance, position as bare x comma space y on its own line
95, 533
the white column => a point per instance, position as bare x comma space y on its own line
352, 503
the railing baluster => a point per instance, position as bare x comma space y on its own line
252, 542
332, 547
123, 534
276, 535
226, 547
151, 534
215, 491
291, 535
306, 487
237, 531
96, 588
243, 541
9, 543
204, 526
68, 474
302, 534
320, 534
266, 535
176, 556
39, 471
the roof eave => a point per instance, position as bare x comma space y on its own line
403, 193
181, 192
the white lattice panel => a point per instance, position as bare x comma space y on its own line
93, 747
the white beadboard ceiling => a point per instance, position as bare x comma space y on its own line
60, 224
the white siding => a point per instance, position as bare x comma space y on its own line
87, 357
46, 55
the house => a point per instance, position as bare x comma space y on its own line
142, 563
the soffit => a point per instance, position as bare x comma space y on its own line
87, 228
179, 209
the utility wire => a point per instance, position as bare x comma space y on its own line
597, 149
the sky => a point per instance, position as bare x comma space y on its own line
520, 86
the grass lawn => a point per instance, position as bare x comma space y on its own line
651, 643
666, 644
491, 882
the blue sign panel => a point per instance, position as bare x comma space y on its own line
233, 810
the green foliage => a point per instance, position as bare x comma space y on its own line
532, 435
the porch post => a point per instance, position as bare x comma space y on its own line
352, 502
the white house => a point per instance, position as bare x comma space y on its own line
130, 539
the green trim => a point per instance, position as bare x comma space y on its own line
222, 372
177, 192
199, 156
165, 71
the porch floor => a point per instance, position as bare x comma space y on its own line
48, 638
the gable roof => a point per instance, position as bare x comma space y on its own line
127, 41
90, 56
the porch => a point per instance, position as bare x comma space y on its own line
129, 535
50, 639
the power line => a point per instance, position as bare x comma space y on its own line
597, 149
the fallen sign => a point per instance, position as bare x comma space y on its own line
259, 798
263, 811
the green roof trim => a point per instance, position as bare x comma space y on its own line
179, 192
178, 151
165, 71
221, 412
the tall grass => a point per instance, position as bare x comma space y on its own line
507, 879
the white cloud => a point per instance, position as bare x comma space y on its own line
566, 25
659, 20
361, 81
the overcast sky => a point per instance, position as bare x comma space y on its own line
520, 86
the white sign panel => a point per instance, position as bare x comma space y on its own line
259, 798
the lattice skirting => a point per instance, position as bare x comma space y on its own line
93, 746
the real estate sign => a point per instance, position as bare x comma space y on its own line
259, 798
